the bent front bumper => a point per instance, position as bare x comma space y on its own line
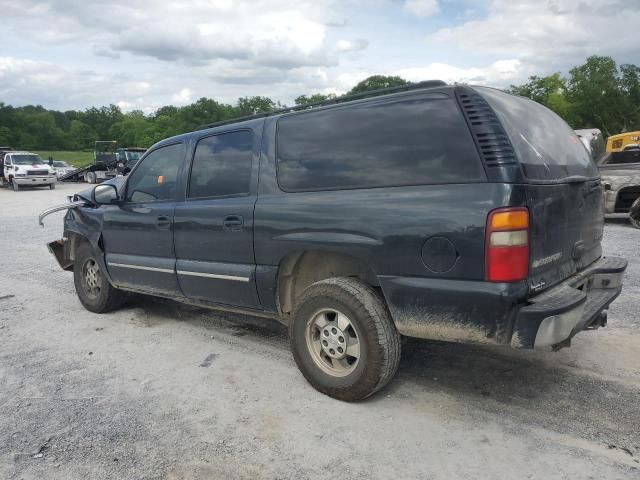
579, 303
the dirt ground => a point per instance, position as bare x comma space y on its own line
159, 390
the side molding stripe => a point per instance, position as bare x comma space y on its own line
214, 275
140, 267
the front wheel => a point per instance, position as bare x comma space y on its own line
52, 186
343, 339
15, 186
94, 290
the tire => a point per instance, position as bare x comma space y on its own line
634, 213
319, 317
94, 290
90, 177
52, 186
15, 186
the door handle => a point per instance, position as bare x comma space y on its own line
163, 221
233, 223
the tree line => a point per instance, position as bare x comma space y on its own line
597, 94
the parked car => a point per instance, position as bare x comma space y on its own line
440, 212
620, 171
61, 168
26, 169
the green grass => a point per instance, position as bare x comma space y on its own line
76, 159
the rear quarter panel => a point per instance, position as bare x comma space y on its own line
387, 228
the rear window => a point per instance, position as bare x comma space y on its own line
413, 140
546, 146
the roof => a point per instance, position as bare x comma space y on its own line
332, 101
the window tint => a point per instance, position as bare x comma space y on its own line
626, 156
421, 139
157, 177
222, 165
546, 146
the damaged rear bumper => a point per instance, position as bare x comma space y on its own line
552, 318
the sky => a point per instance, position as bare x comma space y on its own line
143, 54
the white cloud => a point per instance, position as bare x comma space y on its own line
199, 31
146, 53
422, 8
183, 97
550, 34
498, 73
344, 46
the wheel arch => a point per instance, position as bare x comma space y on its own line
298, 270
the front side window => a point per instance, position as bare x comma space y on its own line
415, 140
156, 178
222, 165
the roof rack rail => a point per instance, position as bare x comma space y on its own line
331, 101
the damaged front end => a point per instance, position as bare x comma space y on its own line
62, 249
57, 249
81, 202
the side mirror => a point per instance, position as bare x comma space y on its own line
105, 194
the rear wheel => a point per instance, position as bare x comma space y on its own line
343, 339
94, 290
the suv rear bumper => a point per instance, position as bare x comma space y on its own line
579, 303
503, 313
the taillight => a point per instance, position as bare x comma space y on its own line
507, 245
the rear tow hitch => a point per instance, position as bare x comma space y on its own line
599, 321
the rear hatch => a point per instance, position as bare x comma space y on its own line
562, 186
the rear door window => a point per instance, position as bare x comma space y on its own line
548, 149
411, 140
222, 165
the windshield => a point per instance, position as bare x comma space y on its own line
26, 159
133, 156
59, 164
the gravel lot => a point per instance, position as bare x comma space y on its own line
159, 390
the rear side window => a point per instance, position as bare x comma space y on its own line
546, 146
222, 165
409, 141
